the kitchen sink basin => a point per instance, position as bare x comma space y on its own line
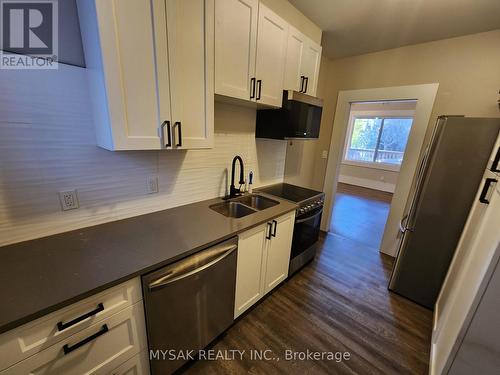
257, 201
243, 206
232, 209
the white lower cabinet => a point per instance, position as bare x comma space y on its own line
137, 365
95, 350
249, 268
92, 336
263, 259
278, 251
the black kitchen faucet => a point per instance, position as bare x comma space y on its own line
233, 191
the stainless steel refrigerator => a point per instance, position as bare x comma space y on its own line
449, 175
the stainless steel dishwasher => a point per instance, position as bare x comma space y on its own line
189, 303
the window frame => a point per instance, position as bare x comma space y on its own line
401, 114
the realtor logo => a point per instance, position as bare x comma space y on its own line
29, 34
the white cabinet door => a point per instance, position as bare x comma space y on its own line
137, 365
249, 268
293, 65
97, 349
311, 60
190, 38
119, 51
271, 54
479, 351
277, 255
466, 283
34, 337
235, 47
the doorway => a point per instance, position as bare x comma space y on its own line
374, 148
423, 96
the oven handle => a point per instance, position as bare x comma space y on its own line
298, 221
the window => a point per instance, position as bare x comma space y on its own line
379, 141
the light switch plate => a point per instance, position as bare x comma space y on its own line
324, 154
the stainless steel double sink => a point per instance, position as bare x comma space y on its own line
243, 206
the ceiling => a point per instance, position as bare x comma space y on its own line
355, 27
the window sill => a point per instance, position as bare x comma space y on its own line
382, 166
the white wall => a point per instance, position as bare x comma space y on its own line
466, 69
372, 178
47, 144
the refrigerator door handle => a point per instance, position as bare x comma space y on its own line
422, 172
402, 228
486, 188
403, 225
495, 167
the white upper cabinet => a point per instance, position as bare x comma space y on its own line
235, 47
271, 54
294, 54
310, 67
250, 51
145, 81
303, 60
119, 53
184, 33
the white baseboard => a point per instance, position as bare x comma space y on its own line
365, 182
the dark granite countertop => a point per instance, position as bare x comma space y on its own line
40, 276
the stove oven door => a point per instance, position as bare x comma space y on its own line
306, 231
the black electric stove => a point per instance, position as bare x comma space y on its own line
290, 192
307, 220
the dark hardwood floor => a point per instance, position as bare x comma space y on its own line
360, 214
339, 302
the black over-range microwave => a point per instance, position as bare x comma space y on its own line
299, 117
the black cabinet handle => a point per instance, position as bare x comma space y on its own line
179, 127
68, 349
252, 88
169, 136
62, 326
259, 83
275, 226
302, 83
486, 188
270, 227
496, 161
306, 79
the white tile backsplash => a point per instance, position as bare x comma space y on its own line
47, 144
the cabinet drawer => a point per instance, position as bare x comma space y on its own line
137, 365
35, 336
97, 349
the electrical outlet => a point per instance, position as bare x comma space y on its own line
324, 154
152, 186
69, 200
